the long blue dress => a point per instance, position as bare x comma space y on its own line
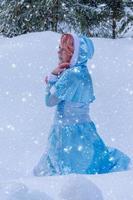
74, 145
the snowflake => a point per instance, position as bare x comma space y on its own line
67, 149
97, 126
90, 72
131, 92
27, 6
7, 92
13, 65
77, 120
11, 127
36, 142
93, 66
80, 148
41, 67
112, 139
23, 99
63, 4
29, 64
115, 111
60, 121
111, 158
82, 136
29, 94
42, 134
76, 69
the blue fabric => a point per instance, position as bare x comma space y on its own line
75, 84
79, 149
86, 50
74, 145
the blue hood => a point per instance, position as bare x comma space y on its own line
75, 83
83, 50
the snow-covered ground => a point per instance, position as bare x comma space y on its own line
25, 121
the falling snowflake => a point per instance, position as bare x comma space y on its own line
36, 142
80, 148
29, 94
23, 99
67, 149
60, 121
131, 92
7, 92
93, 66
13, 65
76, 69
11, 127
112, 139
111, 158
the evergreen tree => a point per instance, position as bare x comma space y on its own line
22, 16
99, 18
118, 14
126, 22
82, 16
116, 9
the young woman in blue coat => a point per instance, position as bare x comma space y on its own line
74, 145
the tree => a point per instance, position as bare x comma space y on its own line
22, 16
116, 8
99, 18
126, 22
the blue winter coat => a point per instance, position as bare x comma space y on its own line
74, 145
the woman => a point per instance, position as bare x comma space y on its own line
74, 145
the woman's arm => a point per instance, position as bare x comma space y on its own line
50, 98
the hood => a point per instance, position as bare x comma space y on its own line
83, 50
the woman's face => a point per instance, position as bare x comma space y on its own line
66, 48
63, 56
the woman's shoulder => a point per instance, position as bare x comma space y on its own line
75, 75
76, 72
74, 85
69, 74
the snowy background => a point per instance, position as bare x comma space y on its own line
25, 120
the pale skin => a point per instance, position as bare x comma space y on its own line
64, 61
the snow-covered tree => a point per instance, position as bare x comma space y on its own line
22, 16
99, 18
118, 18
126, 22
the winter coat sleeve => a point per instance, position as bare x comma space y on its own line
50, 98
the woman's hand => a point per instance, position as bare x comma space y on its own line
61, 67
58, 70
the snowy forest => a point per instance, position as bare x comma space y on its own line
96, 18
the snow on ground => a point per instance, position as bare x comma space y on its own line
25, 121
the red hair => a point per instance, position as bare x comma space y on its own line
67, 42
